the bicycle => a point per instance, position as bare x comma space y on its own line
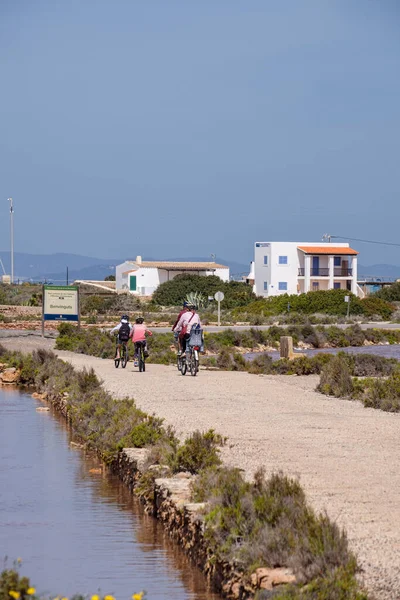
123, 355
141, 356
190, 360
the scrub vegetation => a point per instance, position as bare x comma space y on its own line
374, 382
171, 293
268, 522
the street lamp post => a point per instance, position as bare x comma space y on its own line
12, 237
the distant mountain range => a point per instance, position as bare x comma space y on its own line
53, 267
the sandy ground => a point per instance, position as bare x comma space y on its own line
347, 457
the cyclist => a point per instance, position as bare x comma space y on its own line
124, 329
138, 335
185, 324
176, 333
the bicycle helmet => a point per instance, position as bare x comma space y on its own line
185, 304
125, 318
139, 320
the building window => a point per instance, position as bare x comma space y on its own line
265, 260
336, 285
282, 285
283, 260
265, 286
315, 285
337, 261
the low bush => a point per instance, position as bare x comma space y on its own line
383, 394
390, 293
199, 451
330, 302
230, 361
268, 522
336, 378
379, 388
337, 584
172, 293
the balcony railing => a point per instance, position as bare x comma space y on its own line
324, 272
342, 272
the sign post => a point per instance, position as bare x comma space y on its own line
347, 299
60, 303
219, 296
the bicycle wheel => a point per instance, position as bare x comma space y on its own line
179, 362
125, 357
194, 364
142, 366
183, 365
116, 362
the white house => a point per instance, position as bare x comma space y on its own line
298, 267
142, 277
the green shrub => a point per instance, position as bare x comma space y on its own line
371, 365
337, 584
269, 523
373, 306
173, 292
382, 393
390, 293
336, 379
11, 581
328, 302
230, 361
199, 451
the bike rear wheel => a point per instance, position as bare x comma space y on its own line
142, 362
116, 362
125, 357
194, 364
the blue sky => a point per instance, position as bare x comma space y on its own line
182, 128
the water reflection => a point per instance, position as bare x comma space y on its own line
76, 527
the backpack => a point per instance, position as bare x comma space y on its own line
124, 332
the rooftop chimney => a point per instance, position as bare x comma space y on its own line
138, 260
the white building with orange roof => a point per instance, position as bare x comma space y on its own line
299, 267
142, 277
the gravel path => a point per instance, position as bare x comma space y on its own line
347, 457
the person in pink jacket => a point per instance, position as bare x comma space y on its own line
138, 335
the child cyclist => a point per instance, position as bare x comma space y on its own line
124, 329
138, 335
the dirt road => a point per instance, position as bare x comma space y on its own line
347, 457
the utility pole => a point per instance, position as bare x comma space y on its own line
12, 237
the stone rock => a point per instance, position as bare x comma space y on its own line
39, 396
183, 475
10, 375
96, 470
42, 408
2, 366
76, 445
267, 579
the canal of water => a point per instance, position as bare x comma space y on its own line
77, 528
